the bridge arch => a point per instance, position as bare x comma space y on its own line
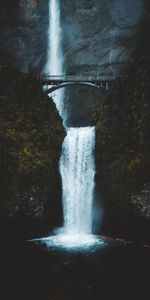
68, 84
52, 83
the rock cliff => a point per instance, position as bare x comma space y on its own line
23, 33
98, 35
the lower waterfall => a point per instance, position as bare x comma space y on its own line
77, 168
77, 171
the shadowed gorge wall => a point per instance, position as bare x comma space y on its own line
123, 145
31, 136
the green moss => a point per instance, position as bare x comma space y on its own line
31, 137
122, 135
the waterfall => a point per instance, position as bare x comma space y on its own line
55, 61
54, 64
77, 170
77, 165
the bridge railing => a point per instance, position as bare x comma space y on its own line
77, 78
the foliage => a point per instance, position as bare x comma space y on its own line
31, 136
122, 129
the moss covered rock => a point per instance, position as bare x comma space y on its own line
122, 140
31, 137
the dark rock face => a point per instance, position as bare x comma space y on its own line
123, 146
31, 137
98, 38
24, 33
99, 35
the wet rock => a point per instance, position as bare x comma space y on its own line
23, 33
97, 35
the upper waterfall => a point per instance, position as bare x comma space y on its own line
54, 65
55, 61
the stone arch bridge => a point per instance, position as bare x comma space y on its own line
52, 83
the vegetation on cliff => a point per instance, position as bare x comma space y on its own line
31, 137
122, 140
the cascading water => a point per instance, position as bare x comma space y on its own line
77, 165
54, 64
77, 170
55, 61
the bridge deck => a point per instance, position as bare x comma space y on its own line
46, 78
